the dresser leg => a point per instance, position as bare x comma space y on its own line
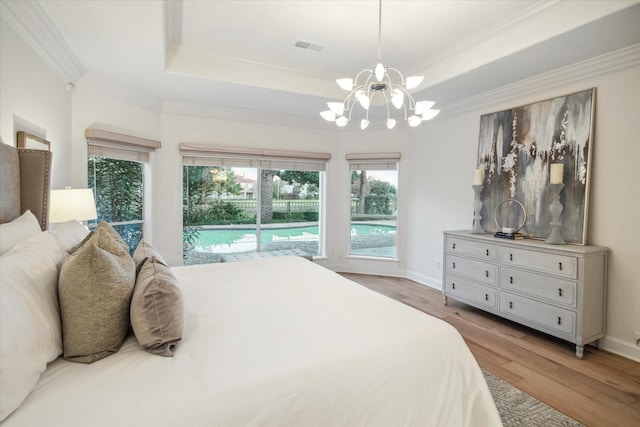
444, 300
579, 351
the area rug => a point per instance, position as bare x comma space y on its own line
518, 409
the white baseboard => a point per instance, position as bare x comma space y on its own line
425, 280
622, 348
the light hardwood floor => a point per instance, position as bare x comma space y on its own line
602, 389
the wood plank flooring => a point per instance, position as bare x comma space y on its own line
602, 389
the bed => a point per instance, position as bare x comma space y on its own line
276, 341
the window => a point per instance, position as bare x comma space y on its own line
116, 169
374, 204
250, 201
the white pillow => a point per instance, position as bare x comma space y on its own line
70, 234
20, 228
30, 330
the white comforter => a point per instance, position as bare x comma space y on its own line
276, 342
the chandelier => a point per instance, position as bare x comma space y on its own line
372, 84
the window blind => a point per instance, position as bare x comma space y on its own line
113, 145
207, 155
373, 161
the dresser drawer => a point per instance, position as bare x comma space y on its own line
550, 288
551, 317
474, 249
471, 291
476, 270
560, 265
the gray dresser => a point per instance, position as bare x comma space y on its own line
557, 289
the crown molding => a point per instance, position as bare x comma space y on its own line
93, 84
499, 28
30, 21
241, 114
612, 62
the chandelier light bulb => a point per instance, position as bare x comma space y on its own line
412, 82
364, 123
342, 121
391, 123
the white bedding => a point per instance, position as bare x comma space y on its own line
275, 342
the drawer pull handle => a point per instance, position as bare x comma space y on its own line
453, 286
510, 304
511, 279
559, 291
510, 257
560, 266
487, 252
486, 273
559, 320
486, 297
454, 265
454, 246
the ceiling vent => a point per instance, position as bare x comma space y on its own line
303, 44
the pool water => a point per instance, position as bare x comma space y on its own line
225, 240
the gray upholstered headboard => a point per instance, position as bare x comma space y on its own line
25, 176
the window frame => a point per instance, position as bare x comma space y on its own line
263, 158
116, 146
374, 161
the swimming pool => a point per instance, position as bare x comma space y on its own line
227, 240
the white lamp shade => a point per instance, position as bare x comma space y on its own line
423, 106
72, 204
328, 115
363, 100
364, 123
379, 71
430, 114
397, 98
342, 121
336, 107
413, 81
346, 84
391, 123
414, 121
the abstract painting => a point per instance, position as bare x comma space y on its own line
516, 148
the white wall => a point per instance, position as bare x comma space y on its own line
34, 99
443, 157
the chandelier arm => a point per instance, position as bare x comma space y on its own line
398, 73
386, 103
366, 70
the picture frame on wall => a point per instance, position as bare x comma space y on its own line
516, 149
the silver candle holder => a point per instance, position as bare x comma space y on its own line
477, 206
555, 238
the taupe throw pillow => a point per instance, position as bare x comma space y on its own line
95, 287
157, 311
145, 251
